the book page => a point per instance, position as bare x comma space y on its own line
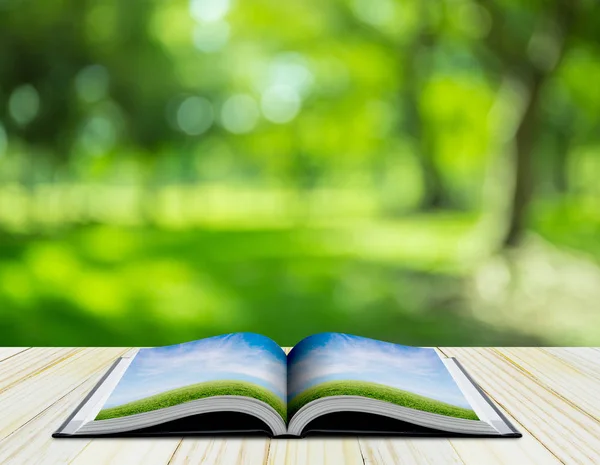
241, 364
333, 364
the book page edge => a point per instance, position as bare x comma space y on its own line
483, 406
93, 402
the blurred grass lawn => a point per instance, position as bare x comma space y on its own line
100, 285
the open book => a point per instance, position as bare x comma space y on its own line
244, 383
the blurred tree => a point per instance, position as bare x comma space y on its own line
416, 62
303, 159
527, 43
146, 93
71, 70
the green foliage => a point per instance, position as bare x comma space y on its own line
195, 392
366, 177
379, 392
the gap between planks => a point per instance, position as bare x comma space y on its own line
34, 394
547, 377
527, 434
8, 352
565, 431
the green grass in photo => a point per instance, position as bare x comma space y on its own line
379, 392
194, 392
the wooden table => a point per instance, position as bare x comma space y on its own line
552, 395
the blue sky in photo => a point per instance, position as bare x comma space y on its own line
333, 356
239, 356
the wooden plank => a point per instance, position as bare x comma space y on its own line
222, 451
23, 401
566, 381
408, 451
524, 451
131, 451
32, 442
7, 352
313, 451
584, 359
30, 362
565, 431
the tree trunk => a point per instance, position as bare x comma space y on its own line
523, 165
512, 58
435, 193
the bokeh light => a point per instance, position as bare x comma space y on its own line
98, 135
374, 12
240, 114
92, 83
195, 115
211, 37
292, 70
24, 104
280, 104
209, 10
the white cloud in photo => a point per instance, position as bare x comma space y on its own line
240, 356
332, 356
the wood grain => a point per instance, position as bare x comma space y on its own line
563, 429
133, 451
23, 401
394, 451
573, 385
7, 352
549, 393
315, 452
28, 363
235, 451
584, 359
33, 438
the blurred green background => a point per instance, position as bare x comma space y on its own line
419, 171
